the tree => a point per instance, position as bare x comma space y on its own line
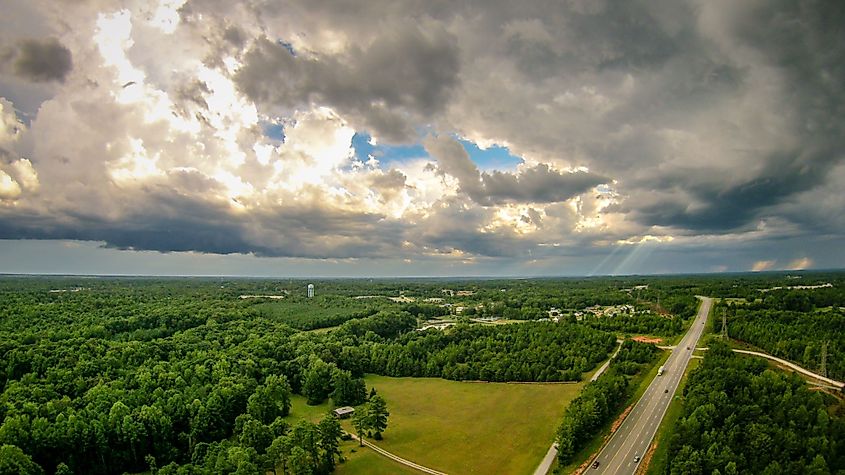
348, 391
329, 442
256, 435
318, 382
13, 461
377, 415
298, 463
279, 451
270, 400
360, 424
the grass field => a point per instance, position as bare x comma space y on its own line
299, 409
362, 460
461, 427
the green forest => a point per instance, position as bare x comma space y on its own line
117, 375
739, 416
196, 375
792, 325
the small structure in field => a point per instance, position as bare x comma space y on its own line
344, 412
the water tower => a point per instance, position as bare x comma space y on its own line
310, 291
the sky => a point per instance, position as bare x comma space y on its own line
421, 137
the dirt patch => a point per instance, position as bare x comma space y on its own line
645, 339
643, 467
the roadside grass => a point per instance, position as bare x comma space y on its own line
660, 458
465, 427
641, 382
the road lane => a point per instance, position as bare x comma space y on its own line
637, 431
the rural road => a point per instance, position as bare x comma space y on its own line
636, 432
397, 458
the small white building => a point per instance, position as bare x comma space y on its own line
310, 291
344, 412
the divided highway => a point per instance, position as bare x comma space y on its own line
629, 443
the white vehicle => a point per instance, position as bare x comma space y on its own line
661, 370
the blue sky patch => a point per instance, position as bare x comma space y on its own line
385, 154
273, 131
492, 158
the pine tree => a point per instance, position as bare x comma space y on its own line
377, 415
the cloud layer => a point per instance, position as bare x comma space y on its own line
688, 125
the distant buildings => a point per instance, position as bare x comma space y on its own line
310, 291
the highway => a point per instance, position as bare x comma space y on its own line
635, 434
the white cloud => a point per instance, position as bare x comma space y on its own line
659, 125
9, 188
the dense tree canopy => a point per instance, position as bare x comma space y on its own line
120, 375
741, 417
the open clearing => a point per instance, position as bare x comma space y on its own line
462, 427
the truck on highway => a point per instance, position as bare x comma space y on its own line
661, 370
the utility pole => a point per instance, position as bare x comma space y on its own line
724, 325
823, 369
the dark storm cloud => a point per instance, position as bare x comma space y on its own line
172, 222
537, 184
405, 73
805, 43
42, 60
717, 121
738, 206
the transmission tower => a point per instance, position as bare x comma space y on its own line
823, 369
724, 325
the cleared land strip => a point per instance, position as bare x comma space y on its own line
790, 365
399, 459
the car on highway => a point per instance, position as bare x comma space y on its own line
665, 390
688, 348
596, 464
636, 458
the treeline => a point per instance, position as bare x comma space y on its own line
600, 401
184, 376
740, 417
210, 397
538, 351
305, 448
792, 335
322, 311
641, 323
